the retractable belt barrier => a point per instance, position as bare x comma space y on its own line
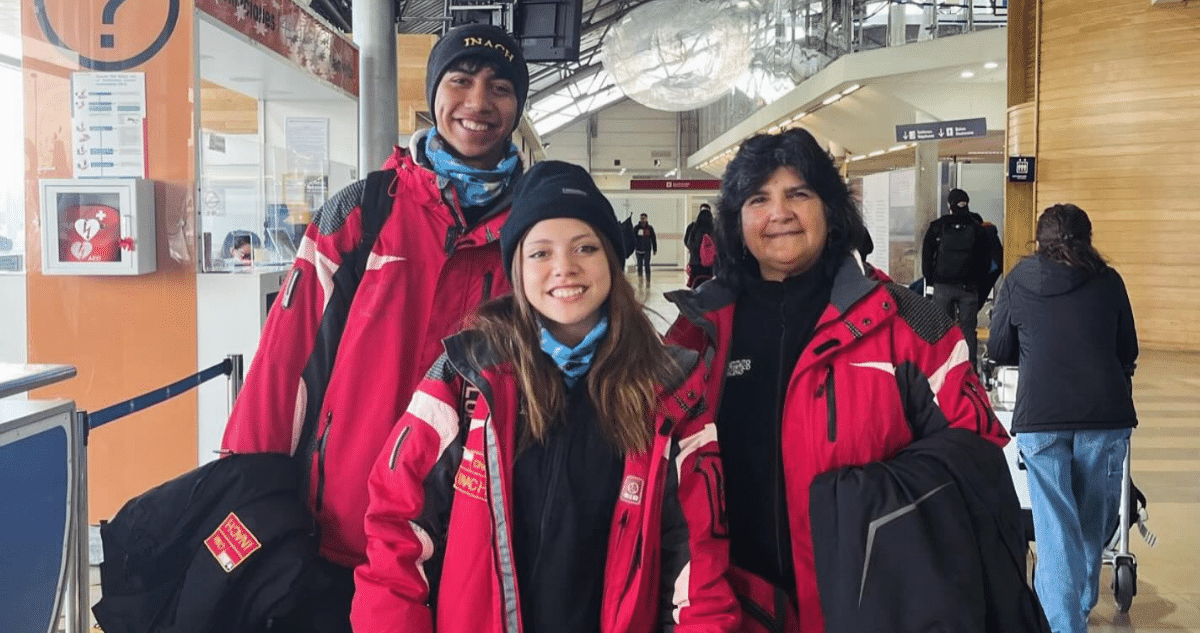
117, 411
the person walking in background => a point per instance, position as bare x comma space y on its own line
1063, 316
645, 244
816, 366
557, 461
701, 246
955, 260
360, 319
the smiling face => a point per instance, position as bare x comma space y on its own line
475, 114
565, 276
784, 226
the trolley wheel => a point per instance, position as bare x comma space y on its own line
1124, 582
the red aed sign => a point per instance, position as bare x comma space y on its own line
663, 184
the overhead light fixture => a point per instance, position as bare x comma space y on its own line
991, 65
878, 152
896, 148
851, 89
831, 98
774, 129
967, 74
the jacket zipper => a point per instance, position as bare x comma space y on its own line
321, 444
976, 402
760, 614
487, 285
396, 448
830, 403
633, 567
777, 454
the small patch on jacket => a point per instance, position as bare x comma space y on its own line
470, 479
631, 489
231, 544
736, 368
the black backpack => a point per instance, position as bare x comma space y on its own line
221, 549
955, 257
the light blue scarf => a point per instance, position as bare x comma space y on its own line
574, 362
475, 187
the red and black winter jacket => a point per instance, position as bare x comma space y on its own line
439, 526
349, 358
884, 367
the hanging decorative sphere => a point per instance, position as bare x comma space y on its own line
677, 55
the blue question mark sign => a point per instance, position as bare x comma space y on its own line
110, 11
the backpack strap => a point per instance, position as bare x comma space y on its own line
375, 207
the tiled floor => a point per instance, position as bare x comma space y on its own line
1166, 466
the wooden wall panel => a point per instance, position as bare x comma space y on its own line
1118, 116
226, 111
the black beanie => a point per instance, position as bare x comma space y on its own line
956, 196
554, 189
490, 43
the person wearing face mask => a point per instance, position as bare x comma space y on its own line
388, 267
818, 368
557, 469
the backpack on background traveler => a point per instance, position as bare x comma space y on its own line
708, 250
955, 255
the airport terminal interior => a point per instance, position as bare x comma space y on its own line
174, 151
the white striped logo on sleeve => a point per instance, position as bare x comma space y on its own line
426, 550
437, 414
681, 598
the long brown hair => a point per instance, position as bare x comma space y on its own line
630, 365
1064, 234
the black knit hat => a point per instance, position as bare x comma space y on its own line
490, 43
956, 196
554, 189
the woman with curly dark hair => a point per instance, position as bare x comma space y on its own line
816, 366
1063, 316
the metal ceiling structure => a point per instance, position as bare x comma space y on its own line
792, 38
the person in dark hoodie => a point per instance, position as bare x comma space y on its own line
1063, 316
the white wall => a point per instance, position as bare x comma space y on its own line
14, 325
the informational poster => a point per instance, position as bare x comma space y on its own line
306, 140
108, 125
876, 195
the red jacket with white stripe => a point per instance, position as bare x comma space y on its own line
350, 359
884, 366
439, 531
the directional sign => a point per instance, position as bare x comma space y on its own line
939, 130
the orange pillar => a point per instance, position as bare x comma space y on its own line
126, 335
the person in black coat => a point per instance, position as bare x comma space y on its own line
1064, 317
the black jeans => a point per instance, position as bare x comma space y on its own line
643, 261
961, 302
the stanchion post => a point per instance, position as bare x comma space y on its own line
78, 597
235, 378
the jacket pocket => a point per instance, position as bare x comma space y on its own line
322, 445
396, 448
830, 404
709, 466
765, 607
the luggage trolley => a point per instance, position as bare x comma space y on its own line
1001, 383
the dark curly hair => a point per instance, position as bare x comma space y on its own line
1064, 234
755, 162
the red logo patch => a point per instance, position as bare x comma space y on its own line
631, 489
471, 477
232, 543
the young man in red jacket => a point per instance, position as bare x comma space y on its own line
348, 341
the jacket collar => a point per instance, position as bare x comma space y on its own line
850, 285
472, 358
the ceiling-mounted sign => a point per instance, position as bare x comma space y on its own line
939, 130
286, 28
1022, 168
682, 183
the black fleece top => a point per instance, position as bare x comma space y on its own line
564, 493
1072, 334
773, 322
